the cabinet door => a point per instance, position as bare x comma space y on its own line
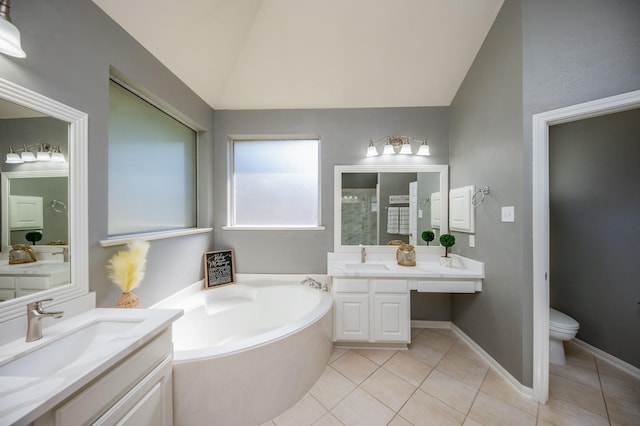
351, 317
392, 318
148, 403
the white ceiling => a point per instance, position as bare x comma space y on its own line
265, 54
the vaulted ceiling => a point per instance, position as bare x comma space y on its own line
266, 54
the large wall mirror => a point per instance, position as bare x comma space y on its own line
42, 203
378, 205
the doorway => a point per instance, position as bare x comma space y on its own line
540, 207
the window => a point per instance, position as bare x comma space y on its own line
275, 183
152, 167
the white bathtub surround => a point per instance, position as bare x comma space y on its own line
38, 377
246, 352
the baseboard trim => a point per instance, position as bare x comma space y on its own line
366, 345
517, 386
430, 324
608, 358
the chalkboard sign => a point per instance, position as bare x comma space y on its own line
218, 268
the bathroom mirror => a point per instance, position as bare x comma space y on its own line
29, 118
376, 204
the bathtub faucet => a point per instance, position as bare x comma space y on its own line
315, 284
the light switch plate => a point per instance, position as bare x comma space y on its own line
508, 214
472, 240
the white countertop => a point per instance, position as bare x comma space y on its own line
25, 397
347, 265
41, 267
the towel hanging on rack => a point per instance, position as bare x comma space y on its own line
403, 222
393, 220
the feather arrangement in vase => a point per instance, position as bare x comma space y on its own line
126, 270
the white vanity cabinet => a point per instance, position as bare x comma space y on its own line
136, 391
371, 310
25, 280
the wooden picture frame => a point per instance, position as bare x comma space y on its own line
219, 268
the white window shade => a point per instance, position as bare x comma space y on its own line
152, 167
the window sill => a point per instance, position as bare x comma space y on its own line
150, 236
274, 228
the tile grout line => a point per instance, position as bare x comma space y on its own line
604, 398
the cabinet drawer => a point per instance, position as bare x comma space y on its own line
7, 282
34, 283
390, 286
103, 393
345, 285
7, 294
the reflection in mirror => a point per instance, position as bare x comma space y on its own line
376, 205
40, 205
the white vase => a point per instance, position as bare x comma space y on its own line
447, 262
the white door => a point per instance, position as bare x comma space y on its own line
413, 213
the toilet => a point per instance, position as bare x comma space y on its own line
561, 327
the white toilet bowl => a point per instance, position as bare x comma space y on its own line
561, 327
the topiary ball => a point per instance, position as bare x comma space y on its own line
447, 240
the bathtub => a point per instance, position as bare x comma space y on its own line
246, 352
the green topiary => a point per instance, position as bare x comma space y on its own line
428, 236
33, 237
447, 241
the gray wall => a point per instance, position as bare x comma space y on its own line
344, 137
70, 45
344, 134
595, 236
538, 56
485, 149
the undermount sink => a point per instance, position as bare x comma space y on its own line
71, 349
366, 266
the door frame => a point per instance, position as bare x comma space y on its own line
540, 226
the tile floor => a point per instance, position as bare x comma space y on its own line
440, 381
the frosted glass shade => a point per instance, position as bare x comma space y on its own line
13, 158
10, 40
43, 156
423, 150
388, 150
57, 157
28, 156
372, 151
406, 149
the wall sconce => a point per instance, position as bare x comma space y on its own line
44, 152
9, 33
398, 145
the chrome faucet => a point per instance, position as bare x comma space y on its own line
64, 253
315, 284
35, 313
363, 254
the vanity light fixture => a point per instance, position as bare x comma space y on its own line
9, 33
44, 153
398, 145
